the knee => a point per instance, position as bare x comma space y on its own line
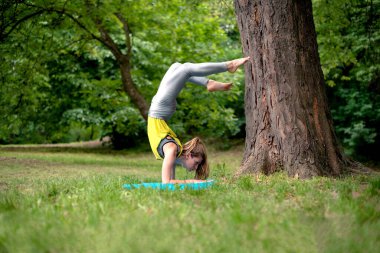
176, 65
187, 66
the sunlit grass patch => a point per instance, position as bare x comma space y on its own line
74, 202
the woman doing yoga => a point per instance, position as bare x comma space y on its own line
163, 141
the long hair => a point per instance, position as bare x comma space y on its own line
196, 147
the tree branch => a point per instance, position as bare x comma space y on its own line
40, 10
104, 38
108, 41
4, 35
82, 26
127, 33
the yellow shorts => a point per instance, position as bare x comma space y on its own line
158, 130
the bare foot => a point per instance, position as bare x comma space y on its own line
213, 85
233, 65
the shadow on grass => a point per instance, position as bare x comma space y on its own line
93, 147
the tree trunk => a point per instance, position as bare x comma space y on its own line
130, 88
288, 122
124, 64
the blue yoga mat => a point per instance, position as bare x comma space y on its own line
172, 187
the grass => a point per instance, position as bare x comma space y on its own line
71, 200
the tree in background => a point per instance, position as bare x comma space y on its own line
60, 62
59, 84
288, 121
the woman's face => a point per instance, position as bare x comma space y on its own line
191, 162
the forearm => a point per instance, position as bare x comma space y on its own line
167, 168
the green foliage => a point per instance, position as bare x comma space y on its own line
348, 35
202, 113
348, 39
57, 82
357, 119
73, 201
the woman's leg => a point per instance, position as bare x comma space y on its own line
235, 64
213, 85
205, 69
210, 84
181, 73
197, 72
199, 80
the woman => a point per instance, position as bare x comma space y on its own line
163, 141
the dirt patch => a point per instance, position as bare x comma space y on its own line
86, 144
28, 163
99, 146
3, 159
3, 186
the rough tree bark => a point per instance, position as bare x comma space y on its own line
288, 122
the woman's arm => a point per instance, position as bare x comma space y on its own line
170, 153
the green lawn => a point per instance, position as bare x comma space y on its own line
72, 200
